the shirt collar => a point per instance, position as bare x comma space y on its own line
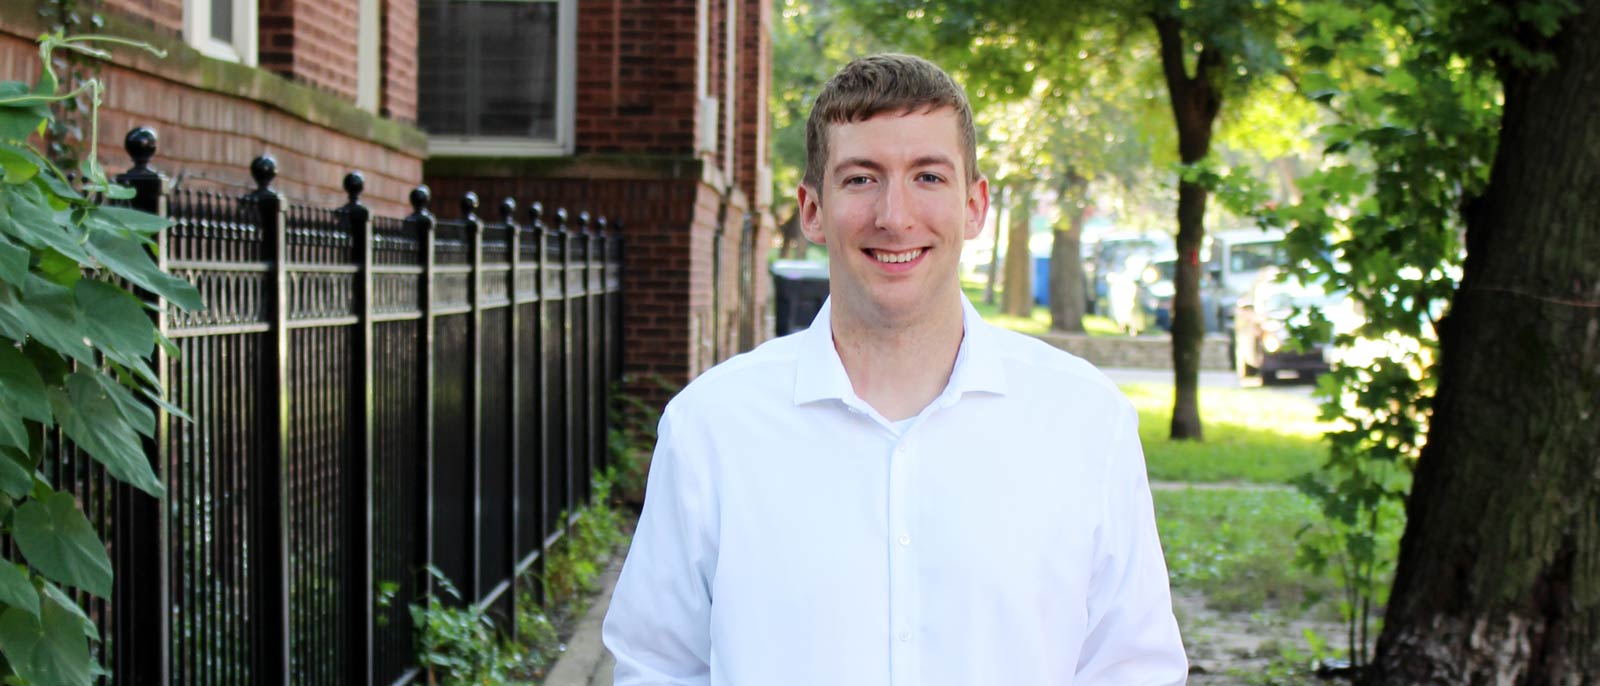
820, 375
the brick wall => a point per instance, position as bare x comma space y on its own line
755, 71
312, 41
163, 15
399, 30
636, 77
208, 139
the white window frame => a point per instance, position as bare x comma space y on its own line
566, 106
197, 31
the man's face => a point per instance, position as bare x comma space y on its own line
893, 207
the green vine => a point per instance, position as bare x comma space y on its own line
75, 350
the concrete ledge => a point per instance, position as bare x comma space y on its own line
1137, 352
587, 661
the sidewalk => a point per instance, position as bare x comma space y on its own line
586, 661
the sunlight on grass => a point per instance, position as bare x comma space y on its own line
1250, 435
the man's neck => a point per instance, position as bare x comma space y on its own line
899, 367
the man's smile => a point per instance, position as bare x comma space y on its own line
888, 257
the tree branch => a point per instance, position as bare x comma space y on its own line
1170, 33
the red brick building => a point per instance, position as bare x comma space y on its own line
665, 122
653, 112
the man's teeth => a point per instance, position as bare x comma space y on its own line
896, 256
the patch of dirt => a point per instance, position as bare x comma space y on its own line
1239, 648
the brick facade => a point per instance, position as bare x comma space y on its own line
399, 68
695, 283
163, 15
311, 41
213, 119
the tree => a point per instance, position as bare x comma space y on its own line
1498, 580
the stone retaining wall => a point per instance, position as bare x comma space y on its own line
1137, 352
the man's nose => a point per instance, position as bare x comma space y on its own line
894, 212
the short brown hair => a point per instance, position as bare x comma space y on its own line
869, 86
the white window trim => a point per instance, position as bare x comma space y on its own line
369, 55
564, 142
197, 31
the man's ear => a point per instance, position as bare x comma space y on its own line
977, 207
811, 214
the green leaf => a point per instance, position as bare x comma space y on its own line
138, 414
48, 650
116, 321
49, 314
131, 260
54, 593
91, 418
13, 262
33, 221
21, 388
16, 589
16, 477
58, 268
17, 167
13, 433
123, 219
59, 542
18, 122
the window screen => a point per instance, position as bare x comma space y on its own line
488, 68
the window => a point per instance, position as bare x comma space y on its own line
496, 77
224, 29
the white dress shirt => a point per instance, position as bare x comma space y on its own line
790, 536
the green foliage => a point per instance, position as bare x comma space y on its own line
74, 357
458, 643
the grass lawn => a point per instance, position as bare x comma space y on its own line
1251, 435
1238, 547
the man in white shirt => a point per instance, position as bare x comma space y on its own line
901, 494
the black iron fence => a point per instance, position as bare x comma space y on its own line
369, 395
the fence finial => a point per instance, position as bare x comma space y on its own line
535, 213
561, 219
469, 204
264, 169
600, 225
583, 222
141, 146
508, 210
354, 184
421, 196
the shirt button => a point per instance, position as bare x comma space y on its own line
905, 636
900, 449
905, 540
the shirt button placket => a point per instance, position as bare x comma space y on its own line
902, 592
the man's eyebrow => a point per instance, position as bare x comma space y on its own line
865, 163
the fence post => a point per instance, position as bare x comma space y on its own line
599, 247
141, 653
423, 221
508, 217
747, 290
271, 536
474, 229
593, 291
359, 466
569, 497
540, 399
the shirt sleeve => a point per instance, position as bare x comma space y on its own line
1133, 636
659, 624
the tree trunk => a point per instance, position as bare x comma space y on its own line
994, 254
1499, 572
1195, 101
1017, 298
1067, 294
794, 242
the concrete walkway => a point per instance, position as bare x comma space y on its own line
586, 660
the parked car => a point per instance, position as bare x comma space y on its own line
1110, 256
1156, 289
1262, 321
1235, 261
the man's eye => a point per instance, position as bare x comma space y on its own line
929, 177
856, 180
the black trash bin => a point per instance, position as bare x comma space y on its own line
798, 289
